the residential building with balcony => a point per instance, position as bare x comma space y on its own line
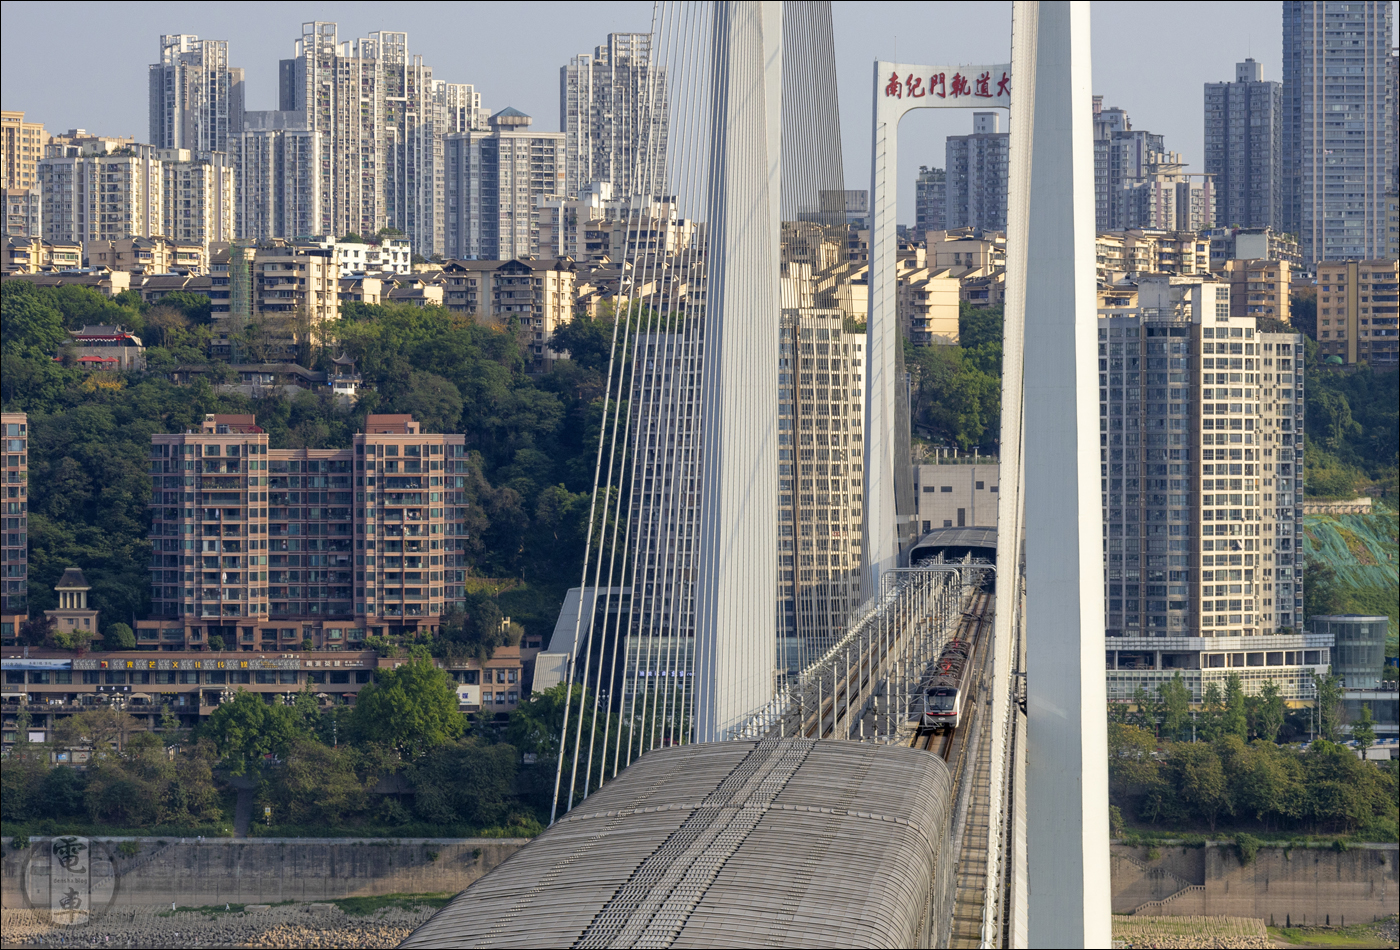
1258, 288
14, 528
977, 170
21, 146
1201, 425
24, 212
1244, 147
496, 182
292, 288
534, 296
613, 118
33, 255
195, 98
930, 199
147, 255
1356, 311
927, 302
1338, 127
266, 548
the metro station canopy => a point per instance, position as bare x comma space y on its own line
733, 844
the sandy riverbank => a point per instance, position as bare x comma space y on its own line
293, 925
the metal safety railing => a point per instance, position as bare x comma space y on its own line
863, 688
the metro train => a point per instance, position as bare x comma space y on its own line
946, 689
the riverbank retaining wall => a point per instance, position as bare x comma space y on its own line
211, 871
1311, 885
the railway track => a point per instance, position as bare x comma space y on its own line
977, 621
953, 746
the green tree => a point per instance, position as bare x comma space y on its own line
465, 782
30, 325
22, 779
119, 637
1130, 758
433, 401
319, 785
1329, 706
476, 628
245, 729
1269, 786
1363, 730
1269, 712
1211, 722
411, 708
1235, 720
1200, 781
1175, 700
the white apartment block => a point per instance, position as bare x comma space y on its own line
613, 112
196, 98
137, 191
391, 255
496, 184
197, 200
596, 226
1201, 420
821, 400
379, 120
278, 165
102, 197
24, 212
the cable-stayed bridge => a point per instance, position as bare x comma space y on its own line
793, 721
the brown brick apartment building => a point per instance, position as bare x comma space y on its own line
281, 549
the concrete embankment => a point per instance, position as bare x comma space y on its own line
1314, 886
216, 871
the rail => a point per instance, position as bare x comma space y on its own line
860, 689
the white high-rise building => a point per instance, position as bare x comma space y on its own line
378, 119
1201, 435
606, 105
496, 182
139, 191
196, 98
1338, 127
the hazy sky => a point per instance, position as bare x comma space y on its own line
84, 65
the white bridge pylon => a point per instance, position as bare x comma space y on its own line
1049, 382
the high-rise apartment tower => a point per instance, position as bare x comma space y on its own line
1244, 148
1338, 126
196, 98
608, 108
1201, 434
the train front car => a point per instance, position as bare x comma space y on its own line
942, 696
941, 708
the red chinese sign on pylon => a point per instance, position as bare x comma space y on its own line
986, 84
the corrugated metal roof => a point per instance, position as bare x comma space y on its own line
778, 843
